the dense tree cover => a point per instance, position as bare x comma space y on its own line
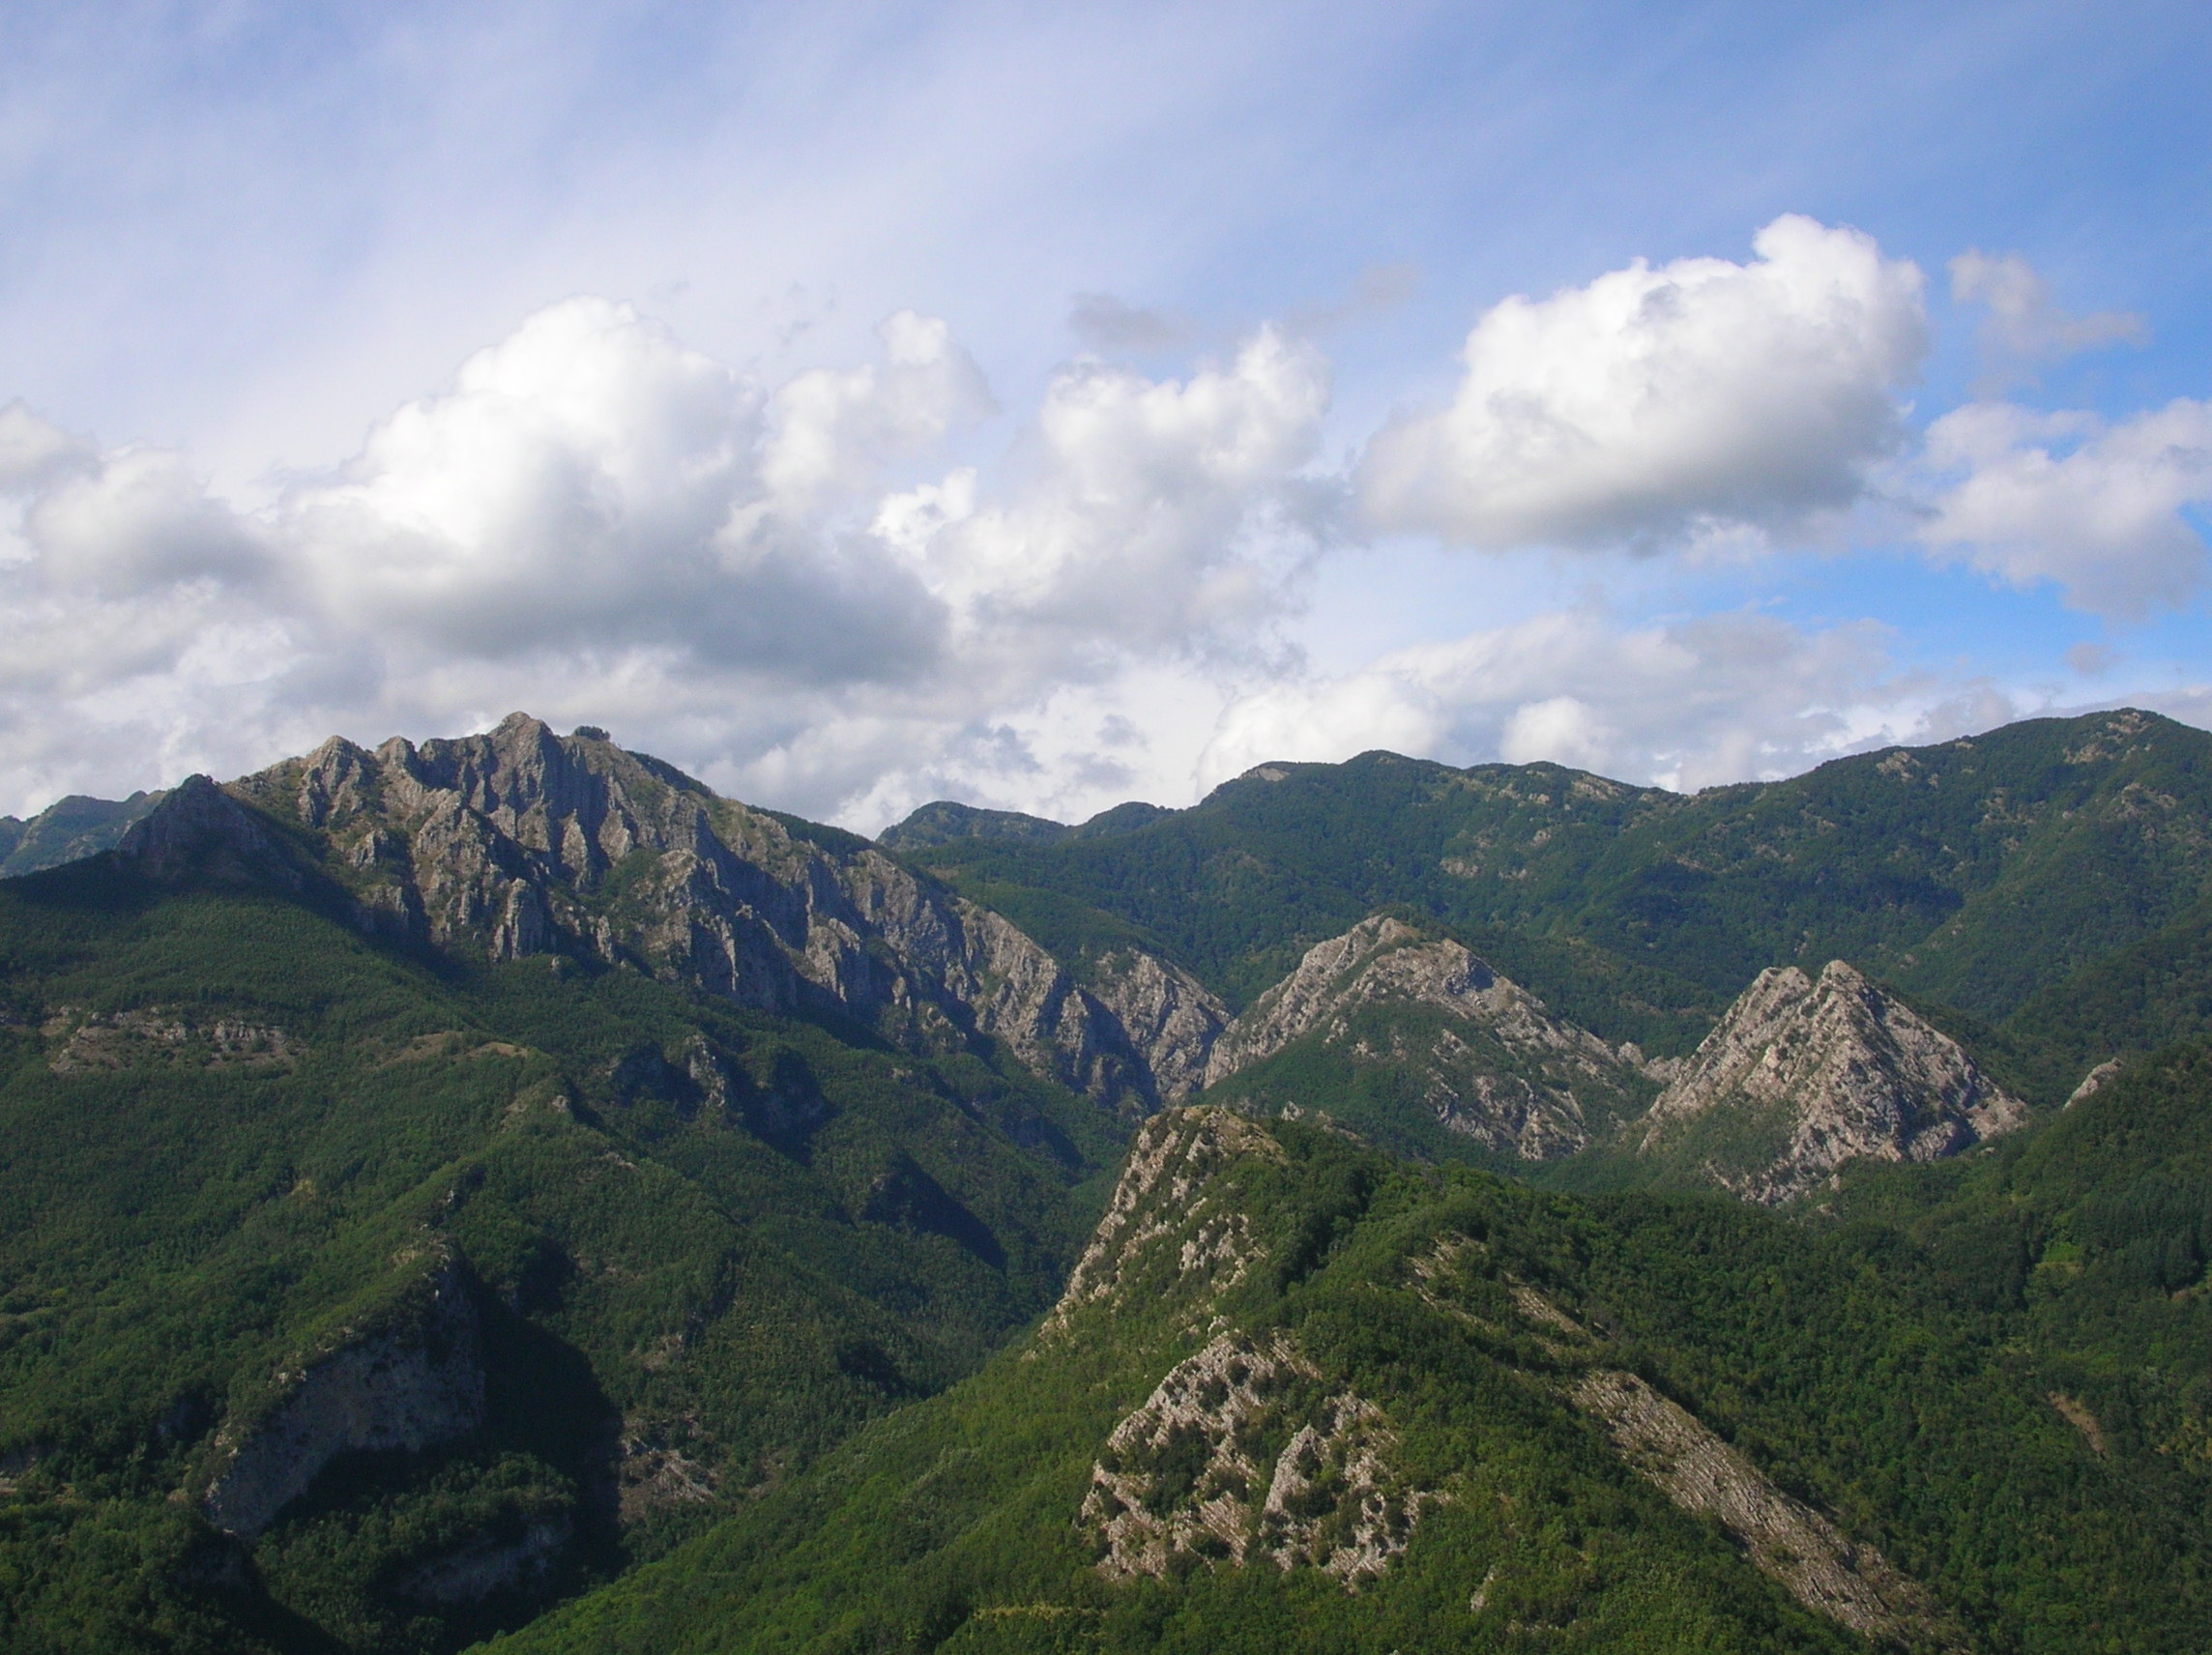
708, 1247
233, 1131
1979, 873
1989, 1374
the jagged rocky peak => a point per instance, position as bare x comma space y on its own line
520, 842
1801, 1076
1501, 1069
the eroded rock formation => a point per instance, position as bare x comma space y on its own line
1801, 1076
1500, 1069
1239, 1454
522, 842
1784, 1538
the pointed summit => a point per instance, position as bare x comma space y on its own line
199, 831
1800, 1077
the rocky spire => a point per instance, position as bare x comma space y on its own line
1801, 1076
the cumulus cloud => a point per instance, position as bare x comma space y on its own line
2095, 507
595, 520
1682, 704
1149, 514
599, 523
138, 519
32, 451
2024, 327
836, 428
1653, 403
590, 483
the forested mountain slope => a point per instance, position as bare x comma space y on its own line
1300, 1397
68, 830
448, 1283
1977, 873
437, 1181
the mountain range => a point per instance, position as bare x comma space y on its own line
499, 1186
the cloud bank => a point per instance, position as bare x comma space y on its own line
829, 593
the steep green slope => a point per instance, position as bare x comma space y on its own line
1977, 873
2004, 1420
67, 830
657, 1251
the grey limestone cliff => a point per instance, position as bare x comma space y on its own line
413, 1381
1801, 1076
1497, 1067
522, 842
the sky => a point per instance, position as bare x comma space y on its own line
1043, 407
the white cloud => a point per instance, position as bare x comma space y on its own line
32, 451
590, 483
1152, 514
837, 428
2023, 326
599, 523
2066, 498
137, 519
1700, 395
1685, 704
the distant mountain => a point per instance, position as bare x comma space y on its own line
1804, 1075
1412, 1039
523, 843
1979, 873
943, 822
68, 830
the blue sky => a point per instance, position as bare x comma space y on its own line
1046, 406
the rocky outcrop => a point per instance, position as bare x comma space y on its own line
1239, 1454
157, 1034
416, 1381
2094, 1082
1167, 1225
1499, 1069
1670, 1449
522, 842
1802, 1076
1169, 1020
1784, 1538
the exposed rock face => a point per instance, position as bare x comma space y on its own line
1163, 1195
1784, 1538
1679, 1455
522, 842
415, 1383
155, 1035
1502, 1070
1800, 1077
2094, 1082
1238, 1454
